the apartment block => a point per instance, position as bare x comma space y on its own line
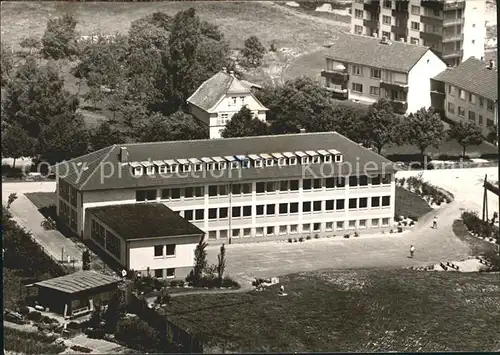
455, 29
234, 190
468, 92
365, 69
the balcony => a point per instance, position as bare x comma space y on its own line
371, 24
399, 106
431, 20
401, 7
453, 22
372, 6
337, 77
456, 54
339, 94
393, 86
453, 5
431, 37
456, 37
432, 4
400, 31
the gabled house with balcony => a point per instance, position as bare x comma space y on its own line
468, 92
217, 99
367, 68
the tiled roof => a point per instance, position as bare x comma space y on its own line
108, 173
78, 282
212, 90
474, 76
364, 50
144, 220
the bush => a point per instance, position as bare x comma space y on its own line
95, 333
356, 234
316, 236
295, 240
301, 239
24, 310
477, 226
73, 326
346, 235
228, 282
308, 237
35, 316
81, 349
137, 334
290, 240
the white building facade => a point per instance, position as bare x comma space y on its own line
219, 98
236, 192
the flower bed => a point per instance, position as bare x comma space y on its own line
432, 194
480, 228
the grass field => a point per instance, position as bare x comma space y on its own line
30, 343
238, 20
410, 204
42, 199
355, 311
477, 246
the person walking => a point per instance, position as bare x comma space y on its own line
412, 251
435, 222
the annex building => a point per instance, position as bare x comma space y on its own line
232, 190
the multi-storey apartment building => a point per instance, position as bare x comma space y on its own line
468, 92
454, 29
237, 190
368, 68
217, 99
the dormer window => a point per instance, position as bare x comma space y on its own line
338, 158
316, 159
292, 161
245, 164
221, 165
304, 160
198, 167
235, 165
210, 166
174, 168
269, 162
282, 162
314, 156
162, 169
150, 170
138, 171
185, 168
258, 164
327, 158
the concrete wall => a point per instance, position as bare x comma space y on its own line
474, 29
419, 81
141, 255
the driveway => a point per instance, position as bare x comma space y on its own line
267, 259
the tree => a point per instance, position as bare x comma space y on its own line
64, 138
200, 263
244, 124
31, 43
221, 263
493, 134
16, 143
6, 65
86, 259
178, 126
380, 125
194, 56
424, 129
104, 135
466, 134
95, 93
253, 52
59, 39
293, 104
35, 96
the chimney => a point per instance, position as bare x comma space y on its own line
491, 66
224, 69
123, 155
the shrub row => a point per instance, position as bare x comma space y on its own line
479, 227
429, 192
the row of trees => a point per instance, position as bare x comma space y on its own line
304, 104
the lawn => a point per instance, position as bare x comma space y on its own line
42, 199
30, 343
351, 311
410, 204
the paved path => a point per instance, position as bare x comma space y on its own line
26, 214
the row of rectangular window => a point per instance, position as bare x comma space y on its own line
287, 208
262, 187
471, 115
468, 96
105, 238
169, 273
294, 228
164, 250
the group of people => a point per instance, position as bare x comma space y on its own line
434, 226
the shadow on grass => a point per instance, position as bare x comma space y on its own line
478, 246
